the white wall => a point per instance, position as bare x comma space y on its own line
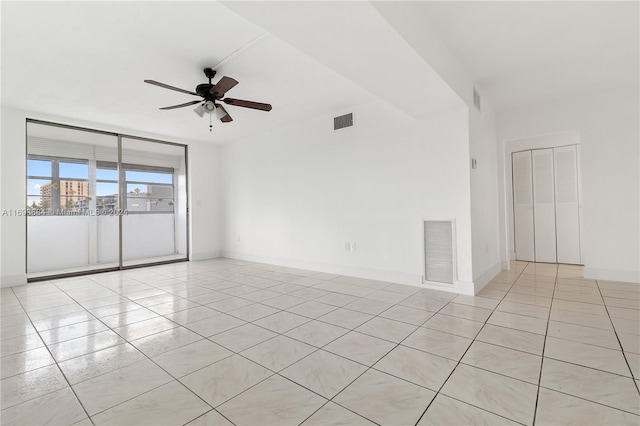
296, 195
204, 190
608, 124
484, 196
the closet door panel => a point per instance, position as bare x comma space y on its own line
567, 205
544, 206
523, 206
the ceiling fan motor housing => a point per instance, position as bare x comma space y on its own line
204, 90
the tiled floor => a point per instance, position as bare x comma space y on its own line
225, 342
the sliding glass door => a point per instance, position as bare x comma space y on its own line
153, 182
96, 200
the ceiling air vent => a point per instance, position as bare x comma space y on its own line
343, 121
476, 98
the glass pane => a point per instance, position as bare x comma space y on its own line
149, 177
39, 186
156, 201
106, 203
72, 237
38, 168
107, 188
107, 174
74, 170
39, 204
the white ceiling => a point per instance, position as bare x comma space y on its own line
519, 52
87, 60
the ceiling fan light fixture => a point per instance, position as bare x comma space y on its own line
199, 110
220, 113
209, 107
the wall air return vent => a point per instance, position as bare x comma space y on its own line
439, 251
476, 99
343, 121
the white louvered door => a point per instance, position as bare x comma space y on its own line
567, 205
523, 206
544, 206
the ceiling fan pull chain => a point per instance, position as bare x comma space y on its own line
210, 123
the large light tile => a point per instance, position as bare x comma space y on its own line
407, 314
557, 408
360, 347
24, 361
276, 401
415, 366
191, 315
586, 355
145, 328
582, 334
448, 411
438, 343
466, 311
324, 373
282, 321
604, 388
225, 379
100, 362
387, 329
453, 325
317, 333
214, 325
170, 404
84, 345
479, 302
117, 386
629, 326
189, 358
164, 341
345, 318
312, 309
385, 399
332, 414
129, 317
278, 353
13, 345
528, 299
581, 318
32, 384
510, 338
211, 418
512, 363
518, 322
253, 312
73, 331
524, 309
507, 397
56, 408
229, 304
243, 337
116, 309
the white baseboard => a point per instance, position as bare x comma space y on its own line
205, 255
612, 275
461, 287
353, 271
13, 280
484, 279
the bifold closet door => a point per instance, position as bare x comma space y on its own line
544, 206
523, 206
567, 205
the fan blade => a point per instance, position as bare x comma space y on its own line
227, 118
220, 88
166, 86
247, 104
186, 104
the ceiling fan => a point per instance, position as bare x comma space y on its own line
211, 95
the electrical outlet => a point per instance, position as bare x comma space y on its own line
347, 246
353, 246
238, 238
